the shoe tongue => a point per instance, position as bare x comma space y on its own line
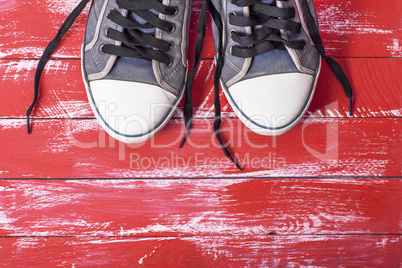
132, 16
268, 2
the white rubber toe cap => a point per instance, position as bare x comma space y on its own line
273, 104
130, 112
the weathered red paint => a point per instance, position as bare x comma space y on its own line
347, 214
315, 147
63, 92
205, 251
348, 28
186, 207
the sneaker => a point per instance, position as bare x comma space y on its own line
268, 62
272, 61
134, 63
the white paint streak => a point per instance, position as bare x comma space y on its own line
200, 185
219, 248
4, 219
332, 20
392, 113
8, 124
141, 260
126, 240
61, 7
27, 243
5, 51
7, 5
18, 71
218, 222
342, 20
395, 48
363, 167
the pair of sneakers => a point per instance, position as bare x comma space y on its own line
134, 62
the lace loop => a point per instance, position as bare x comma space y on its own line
188, 102
188, 106
51, 47
335, 67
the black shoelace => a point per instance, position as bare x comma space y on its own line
266, 20
188, 106
135, 43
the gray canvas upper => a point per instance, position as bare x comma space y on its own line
274, 61
99, 65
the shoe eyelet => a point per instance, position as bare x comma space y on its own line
171, 45
231, 50
233, 13
101, 48
170, 63
231, 32
107, 29
176, 11
173, 28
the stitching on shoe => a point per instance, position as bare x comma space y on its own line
305, 55
96, 60
175, 70
97, 12
231, 65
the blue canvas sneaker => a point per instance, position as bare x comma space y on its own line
268, 59
134, 63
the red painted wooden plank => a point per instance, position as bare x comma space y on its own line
349, 28
200, 207
376, 82
315, 147
273, 251
358, 27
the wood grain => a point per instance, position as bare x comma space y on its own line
376, 82
260, 251
202, 207
348, 28
315, 147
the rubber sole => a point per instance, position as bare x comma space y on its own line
120, 136
265, 130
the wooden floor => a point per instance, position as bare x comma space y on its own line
326, 194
